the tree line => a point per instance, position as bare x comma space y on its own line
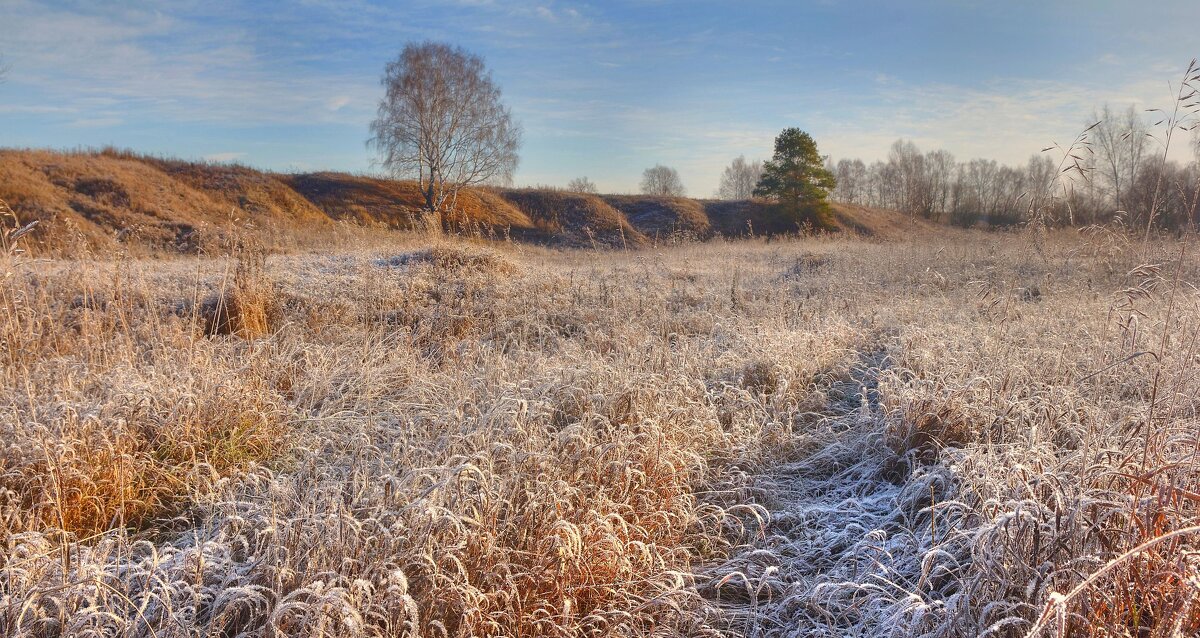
1116, 172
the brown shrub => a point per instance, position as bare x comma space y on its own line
454, 257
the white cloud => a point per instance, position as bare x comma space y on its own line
622, 95
1007, 120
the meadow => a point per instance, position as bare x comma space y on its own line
956, 433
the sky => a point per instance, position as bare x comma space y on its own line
602, 89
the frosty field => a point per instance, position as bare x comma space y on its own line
958, 434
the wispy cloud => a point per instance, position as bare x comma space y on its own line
1007, 120
557, 14
338, 102
36, 109
142, 59
95, 122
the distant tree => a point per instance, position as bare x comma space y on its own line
909, 166
1040, 176
582, 185
662, 181
1120, 141
936, 185
1175, 197
797, 179
852, 185
739, 179
442, 122
940, 167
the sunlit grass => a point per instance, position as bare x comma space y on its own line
458, 439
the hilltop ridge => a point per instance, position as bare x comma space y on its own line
104, 198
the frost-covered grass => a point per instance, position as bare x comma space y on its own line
809, 437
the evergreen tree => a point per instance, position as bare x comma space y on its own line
797, 179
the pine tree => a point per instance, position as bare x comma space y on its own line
797, 179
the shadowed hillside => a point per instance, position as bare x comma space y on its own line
663, 217
397, 204
99, 200
576, 219
246, 191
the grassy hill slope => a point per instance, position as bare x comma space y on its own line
662, 217
101, 199
576, 219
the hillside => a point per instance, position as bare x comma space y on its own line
662, 217
97, 200
577, 219
396, 204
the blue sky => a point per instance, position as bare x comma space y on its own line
603, 89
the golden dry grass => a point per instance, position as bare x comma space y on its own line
398, 204
576, 219
247, 192
816, 437
664, 218
88, 201
118, 200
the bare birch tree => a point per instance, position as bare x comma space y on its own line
442, 122
662, 181
1120, 143
739, 179
940, 167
